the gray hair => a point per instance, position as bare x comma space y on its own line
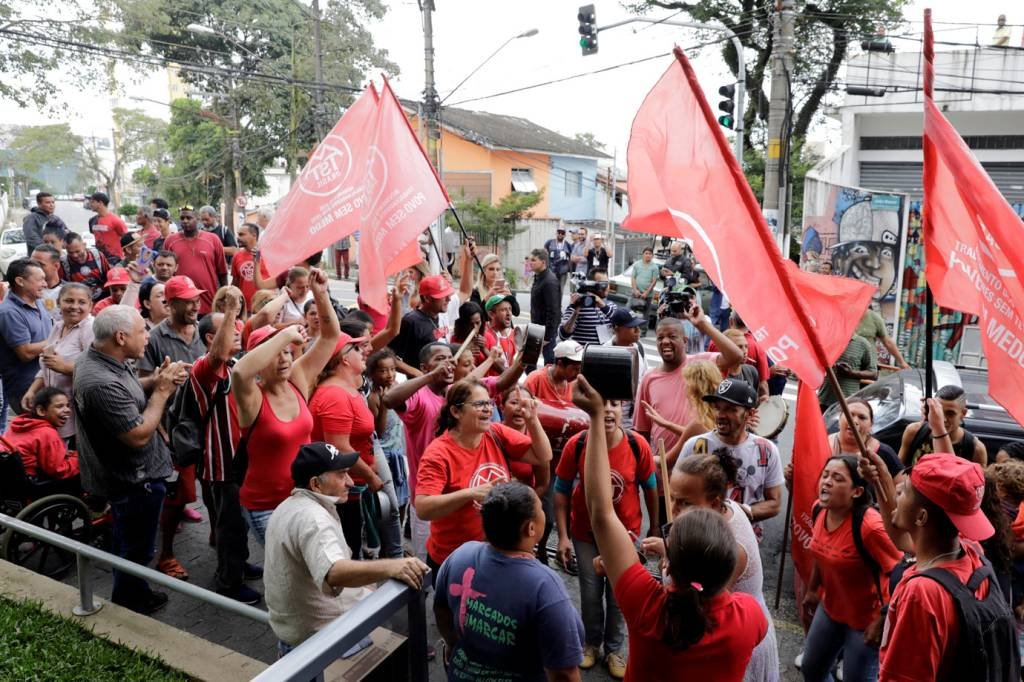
209, 210
114, 319
267, 212
146, 211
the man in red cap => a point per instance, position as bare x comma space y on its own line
426, 324
118, 280
200, 256
176, 338
932, 626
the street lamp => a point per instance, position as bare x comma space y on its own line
525, 34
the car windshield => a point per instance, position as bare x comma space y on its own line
15, 236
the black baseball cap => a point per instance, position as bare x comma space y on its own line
734, 391
317, 458
624, 318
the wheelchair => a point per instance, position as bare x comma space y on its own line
57, 506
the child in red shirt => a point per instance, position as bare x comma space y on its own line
34, 436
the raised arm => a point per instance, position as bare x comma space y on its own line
224, 341
617, 551
244, 387
384, 336
268, 313
306, 368
540, 450
397, 395
729, 352
466, 269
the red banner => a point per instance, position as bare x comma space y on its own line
684, 182
369, 174
969, 231
403, 196
810, 452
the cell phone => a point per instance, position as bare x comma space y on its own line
500, 283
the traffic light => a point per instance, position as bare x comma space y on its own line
728, 105
588, 29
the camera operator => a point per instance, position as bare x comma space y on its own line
588, 317
678, 265
675, 304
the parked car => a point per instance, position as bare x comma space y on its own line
896, 403
620, 288
12, 247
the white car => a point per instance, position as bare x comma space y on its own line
12, 247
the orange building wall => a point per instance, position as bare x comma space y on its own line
458, 154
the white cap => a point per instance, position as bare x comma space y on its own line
569, 350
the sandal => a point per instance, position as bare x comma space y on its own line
173, 568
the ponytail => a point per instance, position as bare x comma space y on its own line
684, 618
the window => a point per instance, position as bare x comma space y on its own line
573, 183
522, 180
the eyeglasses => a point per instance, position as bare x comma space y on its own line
480, 404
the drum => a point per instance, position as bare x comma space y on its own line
529, 339
560, 423
772, 416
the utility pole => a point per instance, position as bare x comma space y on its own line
318, 121
431, 114
609, 216
236, 164
779, 125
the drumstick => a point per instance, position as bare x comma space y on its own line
664, 474
465, 344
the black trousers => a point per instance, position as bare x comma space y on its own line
232, 538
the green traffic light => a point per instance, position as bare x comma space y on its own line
583, 42
727, 121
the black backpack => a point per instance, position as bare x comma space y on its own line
858, 542
187, 425
987, 647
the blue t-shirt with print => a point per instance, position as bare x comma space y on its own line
512, 615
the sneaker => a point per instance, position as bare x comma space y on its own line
252, 571
192, 516
243, 593
155, 602
590, 656
799, 660
616, 663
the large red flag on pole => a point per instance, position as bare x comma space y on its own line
974, 257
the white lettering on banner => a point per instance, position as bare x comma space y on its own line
802, 529
328, 168
776, 352
1006, 341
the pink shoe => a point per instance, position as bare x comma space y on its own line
192, 516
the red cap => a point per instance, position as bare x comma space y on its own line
956, 486
182, 287
435, 286
260, 335
344, 340
116, 276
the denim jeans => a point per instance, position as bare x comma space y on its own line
232, 539
257, 522
136, 515
825, 640
602, 619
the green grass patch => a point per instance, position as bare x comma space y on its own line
36, 644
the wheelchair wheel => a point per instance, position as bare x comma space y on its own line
61, 514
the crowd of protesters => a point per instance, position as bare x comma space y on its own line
361, 445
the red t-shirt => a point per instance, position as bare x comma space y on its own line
848, 588
338, 412
149, 235
242, 270
922, 625
507, 343
201, 258
626, 481
721, 655
447, 467
540, 385
108, 230
272, 445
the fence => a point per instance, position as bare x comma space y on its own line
302, 663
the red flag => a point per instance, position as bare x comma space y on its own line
970, 231
403, 196
322, 205
810, 452
685, 182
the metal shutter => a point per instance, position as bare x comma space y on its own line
906, 177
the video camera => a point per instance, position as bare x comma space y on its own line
588, 290
677, 302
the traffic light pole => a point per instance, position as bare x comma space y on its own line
779, 126
431, 114
741, 75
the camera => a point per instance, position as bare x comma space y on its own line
588, 290
677, 303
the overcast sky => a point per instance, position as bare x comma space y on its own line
466, 31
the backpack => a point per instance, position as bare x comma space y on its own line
187, 425
987, 648
858, 542
630, 438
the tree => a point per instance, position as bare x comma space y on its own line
32, 147
589, 140
499, 222
824, 33
800, 162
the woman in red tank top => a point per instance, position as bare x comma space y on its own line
270, 389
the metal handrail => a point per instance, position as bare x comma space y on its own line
307, 660
87, 554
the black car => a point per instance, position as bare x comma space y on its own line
896, 403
